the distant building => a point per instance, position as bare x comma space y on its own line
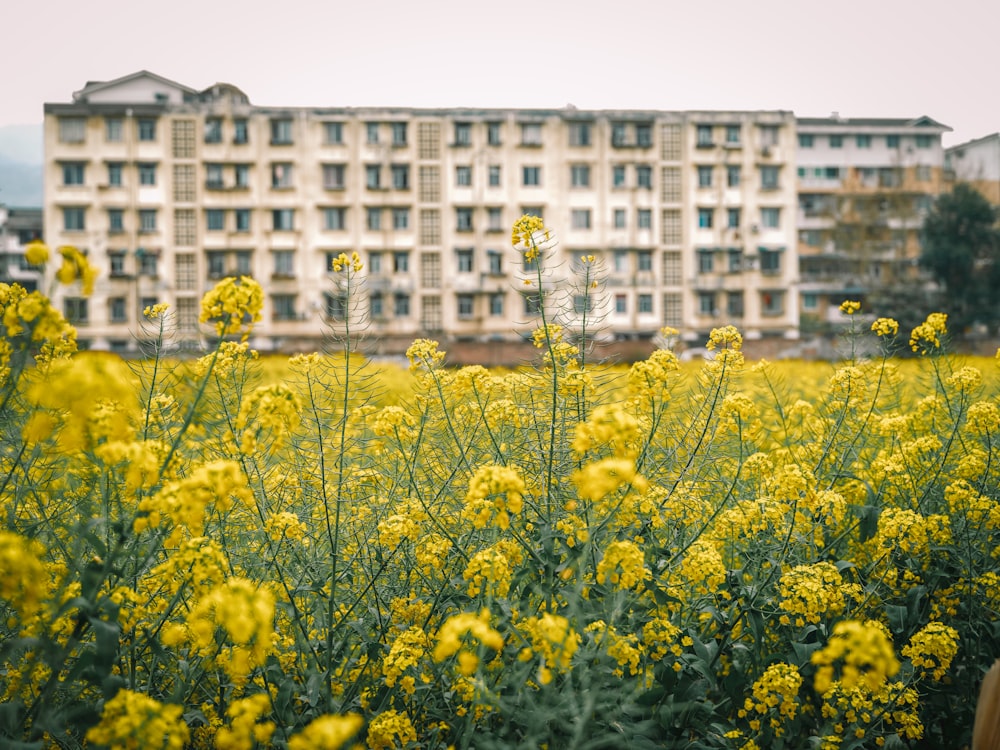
18, 227
864, 186
691, 215
977, 162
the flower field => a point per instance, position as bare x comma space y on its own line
726, 555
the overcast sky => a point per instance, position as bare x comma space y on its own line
862, 58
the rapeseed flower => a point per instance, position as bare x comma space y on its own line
233, 305
133, 721
330, 732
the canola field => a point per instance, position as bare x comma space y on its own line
319, 553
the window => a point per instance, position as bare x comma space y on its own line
147, 129
76, 310
493, 133
281, 175
645, 303
644, 176
892, 141
335, 306
494, 219
531, 134
495, 260
72, 129
836, 141
619, 134
580, 218
376, 305
215, 220
216, 264
463, 219
463, 176
735, 260
371, 132
333, 133
532, 304
283, 307
863, 141
149, 263
531, 176
704, 136
579, 134
810, 301
430, 270
401, 304
465, 305
923, 172
734, 304
213, 176
333, 176
147, 173
114, 173
242, 219
374, 218
116, 220
147, 220
463, 260
241, 173
582, 304
733, 218
770, 217
335, 219
705, 176
241, 132
621, 303
618, 218
284, 262
401, 262
532, 211
400, 217
73, 219
400, 176
496, 304
733, 135
116, 306
672, 309
706, 258
283, 219
579, 175
889, 176
213, 130
770, 261
643, 135
398, 133
244, 262
374, 263
644, 218
706, 303
113, 130
72, 173
644, 260
924, 141
373, 176
768, 135
494, 175
805, 140
618, 175
117, 262
769, 178
733, 175
705, 218
772, 302
463, 134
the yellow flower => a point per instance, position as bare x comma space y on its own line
36, 253
330, 732
622, 565
232, 304
864, 652
932, 648
388, 728
133, 720
849, 307
885, 327
451, 634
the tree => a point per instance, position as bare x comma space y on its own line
961, 249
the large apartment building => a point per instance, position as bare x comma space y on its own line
691, 216
864, 186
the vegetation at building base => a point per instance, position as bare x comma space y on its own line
503, 560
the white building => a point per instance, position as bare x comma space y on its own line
691, 215
977, 162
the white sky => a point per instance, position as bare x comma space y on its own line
862, 58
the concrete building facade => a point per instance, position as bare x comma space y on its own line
690, 216
977, 162
18, 227
864, 186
